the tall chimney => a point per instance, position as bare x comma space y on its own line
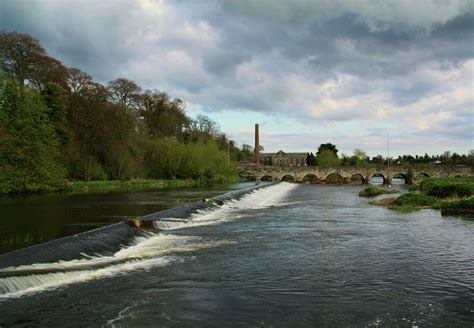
257, 145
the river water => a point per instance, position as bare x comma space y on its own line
32, 219
286, 255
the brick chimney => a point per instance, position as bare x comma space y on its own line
257, 145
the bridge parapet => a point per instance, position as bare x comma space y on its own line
299, 173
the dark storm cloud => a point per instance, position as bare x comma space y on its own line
326, 61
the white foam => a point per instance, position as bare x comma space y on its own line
261, 198
18, 286
144, 252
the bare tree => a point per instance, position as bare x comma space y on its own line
123, 91
46, 70
77, 80
19, 54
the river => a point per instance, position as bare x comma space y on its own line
286, 255
32, 219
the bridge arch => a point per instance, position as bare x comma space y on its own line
310, 177
288, 178
249, 175
379, 178
421, 175
357, 178
334, 177
397, 176
267, 177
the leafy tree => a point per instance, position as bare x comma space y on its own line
163, 117
327, 158
55, 100
29, 151
310, 159
360, 158
329, 147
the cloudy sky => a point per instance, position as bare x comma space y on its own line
310, 72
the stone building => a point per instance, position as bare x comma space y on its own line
281, 158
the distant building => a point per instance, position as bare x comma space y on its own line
281, 158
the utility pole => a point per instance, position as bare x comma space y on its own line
388, 161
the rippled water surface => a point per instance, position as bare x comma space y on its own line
283, 256
32, 219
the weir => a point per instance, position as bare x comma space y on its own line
123, 247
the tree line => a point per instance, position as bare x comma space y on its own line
58, 124
327, 155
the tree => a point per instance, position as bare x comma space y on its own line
77, 80
123, 91
310, 159
20, 54
360, 158
46, 70
29, 151
55, 100
204, 124
163, 117
327, 158
327, 146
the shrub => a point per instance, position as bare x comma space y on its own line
444, 191
373, 191
463, 207
415, 200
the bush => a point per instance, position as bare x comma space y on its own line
415, 200
448, 187
373, 191
462, 207
171, 159
444, 191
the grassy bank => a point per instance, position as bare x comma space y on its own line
374, 191
79, 187
463, 207
454, 196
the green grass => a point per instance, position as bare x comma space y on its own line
439, 193
79, 187
411, 202
374, 191
448, 187
464, 207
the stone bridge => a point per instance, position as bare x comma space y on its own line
347, 173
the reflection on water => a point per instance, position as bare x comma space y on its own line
32, 219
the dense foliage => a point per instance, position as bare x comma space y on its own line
327, 155
452, 195
448, 187
57, 123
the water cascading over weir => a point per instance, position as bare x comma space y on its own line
134, 244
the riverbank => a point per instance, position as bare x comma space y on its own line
453, 196
374, 191
106, 186
80, 187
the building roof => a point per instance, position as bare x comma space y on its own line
282, 153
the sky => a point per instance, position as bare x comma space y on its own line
309, 72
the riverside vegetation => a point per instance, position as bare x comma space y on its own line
58, 125
450, 195
374, 191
